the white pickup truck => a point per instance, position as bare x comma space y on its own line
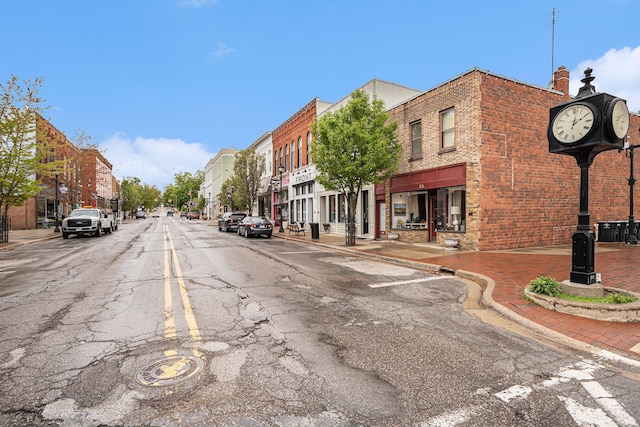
92, 221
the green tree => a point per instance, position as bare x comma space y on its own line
185, 188
353, 147
169, 195
247, 172
22, 150
136, 194
202, 202
227, 190
130, 194
150, 196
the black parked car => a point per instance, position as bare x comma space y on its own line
255, 226
230, 220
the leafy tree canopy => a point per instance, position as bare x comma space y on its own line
184, 189
227, 190
21, 149
353, 147
135, 194
246, 181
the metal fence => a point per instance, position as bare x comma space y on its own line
5, 224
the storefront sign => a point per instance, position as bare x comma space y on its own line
305, 176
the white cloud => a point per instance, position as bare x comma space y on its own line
222, 50
617, 72
154, 160
196, 3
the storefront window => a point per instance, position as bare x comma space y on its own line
332, 208
342, 208
303, 210
451, 209
457, 217
409, 210
444, 209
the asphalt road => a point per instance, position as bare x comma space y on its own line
170, 322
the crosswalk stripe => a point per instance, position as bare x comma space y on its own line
405, 282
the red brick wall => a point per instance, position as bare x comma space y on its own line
295, 127
24, 217
462, 94
518, 194
530, 197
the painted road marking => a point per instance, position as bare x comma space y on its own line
190, 318
169, 319
610, 405
583, 372
405, 282
300, 252
611, 413
13, 263
453, 418
515, 392
586, 417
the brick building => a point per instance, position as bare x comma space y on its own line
292, 152
83, 175
476, 166
39, 210
332, 205
96, 179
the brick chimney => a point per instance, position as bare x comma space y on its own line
561, 81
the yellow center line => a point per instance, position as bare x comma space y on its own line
190, 318
169, 320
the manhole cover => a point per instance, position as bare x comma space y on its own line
169, 371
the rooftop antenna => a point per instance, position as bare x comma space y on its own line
554, 13
553, 38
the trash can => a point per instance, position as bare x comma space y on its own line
315, 230
606, 232
621, 231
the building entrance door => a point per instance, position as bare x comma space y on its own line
434, 218
365, 212
381, 215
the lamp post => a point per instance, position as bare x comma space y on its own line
229, 206
281, 169
57, 228
631, 238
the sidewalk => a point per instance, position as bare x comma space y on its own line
506, 272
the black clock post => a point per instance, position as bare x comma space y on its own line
584, 127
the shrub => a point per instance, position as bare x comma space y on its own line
619, 298
545, 286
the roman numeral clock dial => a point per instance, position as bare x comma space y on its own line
618, 119
573, 123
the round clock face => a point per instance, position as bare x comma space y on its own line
573, 123
619, 118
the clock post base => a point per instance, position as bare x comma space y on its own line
582, 278
583, 257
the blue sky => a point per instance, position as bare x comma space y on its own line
162, 85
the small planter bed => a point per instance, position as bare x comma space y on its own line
615, 305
